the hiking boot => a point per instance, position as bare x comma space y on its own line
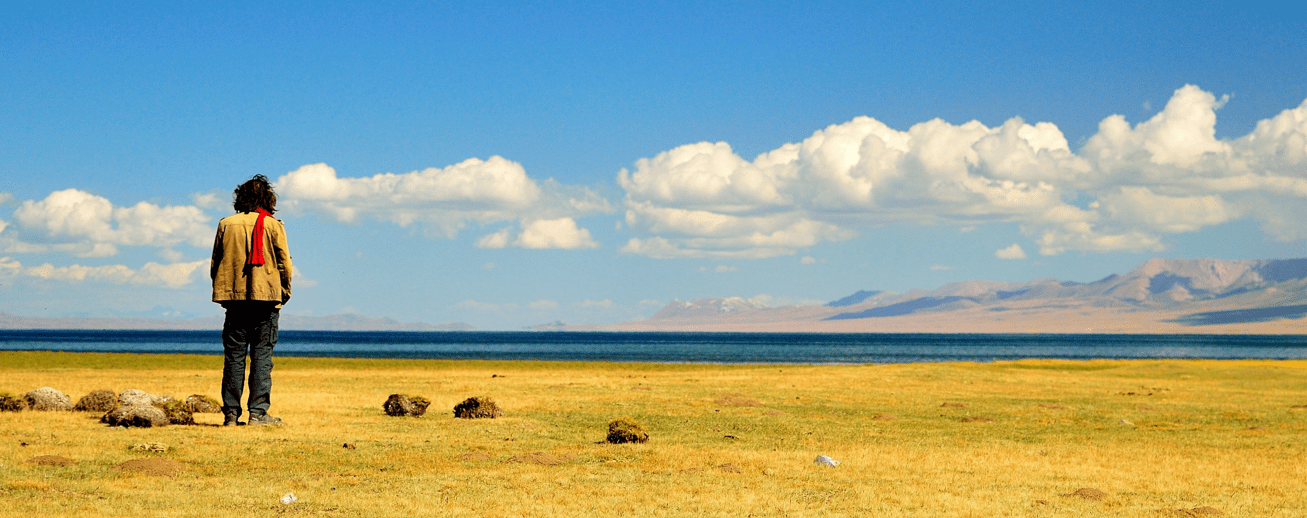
232, 420
263, 419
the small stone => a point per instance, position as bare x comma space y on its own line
826, 461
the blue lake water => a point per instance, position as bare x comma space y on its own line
797, 348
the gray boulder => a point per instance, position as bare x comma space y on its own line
141, 416
46, 398
140, 397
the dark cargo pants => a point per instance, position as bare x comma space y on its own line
250, 329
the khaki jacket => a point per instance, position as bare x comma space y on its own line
232, 278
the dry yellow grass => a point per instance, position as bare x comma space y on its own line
725, 440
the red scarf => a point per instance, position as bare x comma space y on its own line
256, 245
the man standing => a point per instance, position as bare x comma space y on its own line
251, 279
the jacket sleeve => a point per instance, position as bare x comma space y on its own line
281, 251
217, 254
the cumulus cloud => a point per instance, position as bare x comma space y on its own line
554, 233
442, 200
174, 275
1131, 185
543, 305
1011, 252
83, 224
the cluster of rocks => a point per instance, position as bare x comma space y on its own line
620, 431
131, 408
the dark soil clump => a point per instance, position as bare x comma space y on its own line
977, 419
178, 412
730, 468
142, 416
51, 460
9, 403
1051, 406
477, 408
883, 417
158, 467
102, 400
400, 405
201, 404
953, 405
1088, 493
624, 429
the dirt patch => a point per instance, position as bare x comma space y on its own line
735, 399
102, 400
1088, 493
51, 460
883, 417
774, 412
539, 457
157, 467
473, 456
953, 405
1299, 407
730, 468
1052, 406
977, 419
1197, 511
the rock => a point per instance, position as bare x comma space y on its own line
477, 408
178, 412
142, 416
826, 461
399, 405
46, 398
10, 403
624, 430
151, 447
201, 404
140, 397
102, 400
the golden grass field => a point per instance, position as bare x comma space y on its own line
1199, 437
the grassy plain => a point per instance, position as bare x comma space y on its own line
1159, 438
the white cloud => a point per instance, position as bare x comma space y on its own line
499, 239
444, 200
600, 304
1011, 252
86, 225
807, 259
554, 233
941, 268
543, 305
174, 275
1133, 185
206, 200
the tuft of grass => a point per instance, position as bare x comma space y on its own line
1203, 434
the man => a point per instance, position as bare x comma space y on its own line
251, 279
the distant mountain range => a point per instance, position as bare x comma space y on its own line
346, 322
1160, 296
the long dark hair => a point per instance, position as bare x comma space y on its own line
255, 194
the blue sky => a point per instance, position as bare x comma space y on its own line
592, 162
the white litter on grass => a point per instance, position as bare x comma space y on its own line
826, 461
288, 499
